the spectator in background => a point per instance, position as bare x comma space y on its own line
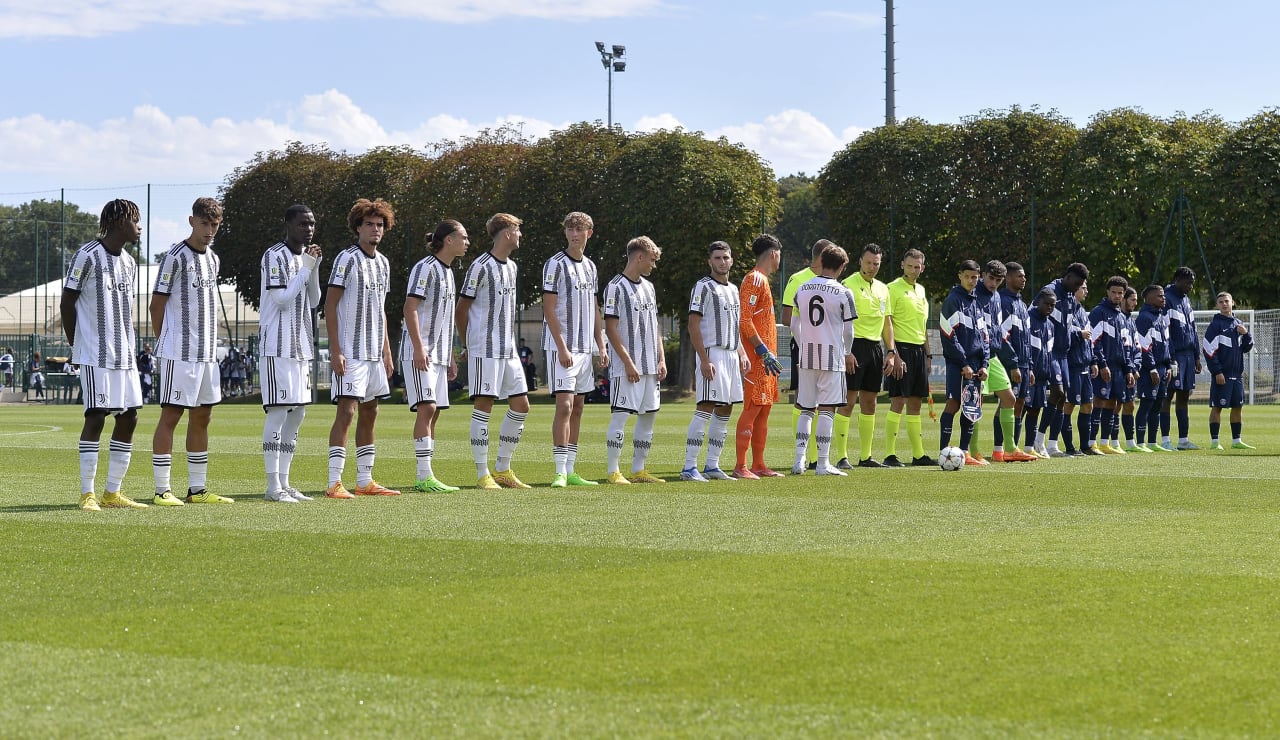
6, 366
146, 372
35, 371
530, 369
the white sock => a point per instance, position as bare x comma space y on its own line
480, 441
118, 464
804, 425
642, 440
289, 442
364, 465
693, 438
197, 469
560, 455
273, 444
716, 438
423, 448
337, 462
88, 465
161, 466
509, 437
572, 458
826, 424
613, 440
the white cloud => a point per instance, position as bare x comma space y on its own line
662, 121
792, 141
52, 18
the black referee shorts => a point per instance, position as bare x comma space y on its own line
914, 382
870, 373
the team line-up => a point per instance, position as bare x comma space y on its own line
1042, 362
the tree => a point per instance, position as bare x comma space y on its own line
685, 192
36, 241
1246, 191
894, 185
254, 198
803, 222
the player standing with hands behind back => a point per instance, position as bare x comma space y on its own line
360, 352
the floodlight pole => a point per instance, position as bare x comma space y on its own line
610, 57
890, 112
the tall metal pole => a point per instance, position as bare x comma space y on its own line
890, 116
610, 68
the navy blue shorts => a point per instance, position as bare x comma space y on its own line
1021, 389
1079, 388
1109, 389
1038, 396
1058, 372
1229, 395
1186, 380
955, 378
1154, 391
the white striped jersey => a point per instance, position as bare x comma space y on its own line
104, 308
575, 284
718, 306
431, 282
635, 306
824, 308
362, 317
290, 291
491, 320
190, 329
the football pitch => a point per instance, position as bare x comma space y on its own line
1082, 597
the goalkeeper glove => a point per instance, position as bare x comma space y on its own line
771, 364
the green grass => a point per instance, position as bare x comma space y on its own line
1101, 596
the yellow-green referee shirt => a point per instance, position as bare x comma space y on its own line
910, 309
872, 301
793, 285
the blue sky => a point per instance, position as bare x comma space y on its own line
103, 96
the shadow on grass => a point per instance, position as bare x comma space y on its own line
35, 508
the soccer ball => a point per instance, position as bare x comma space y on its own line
951, 458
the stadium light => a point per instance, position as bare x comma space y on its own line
611, 60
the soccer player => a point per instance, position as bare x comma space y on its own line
638, 363
426, 348
184, 304
874, 362
760, 386
1080, 373
571, 329
788, 319
1016, 324
909, 383
714, 314
485, 317
1183, 346
97, 317
1226, 340
359, 347
290, 293
1002, 363
967, 353
1154, 369
827, 312
1040, 342
1057, 418
1110, 356
1129, 393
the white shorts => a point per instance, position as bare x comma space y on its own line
189, 384
577, 378
364, 381
113, 391
498, 379
820, 388
427, 386
640, 397
285, 382
726, 388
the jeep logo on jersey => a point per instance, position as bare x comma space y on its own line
206, 283
122, 285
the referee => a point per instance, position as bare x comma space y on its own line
910, 382
871, 297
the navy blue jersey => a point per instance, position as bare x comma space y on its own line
1079, 351
961, 325
1153, 340
1224, 346
1040, 344
1107, 342
1016, 324
1182, 322
1062, 317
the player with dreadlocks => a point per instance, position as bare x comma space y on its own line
97, 317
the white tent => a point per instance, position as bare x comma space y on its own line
36, 310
